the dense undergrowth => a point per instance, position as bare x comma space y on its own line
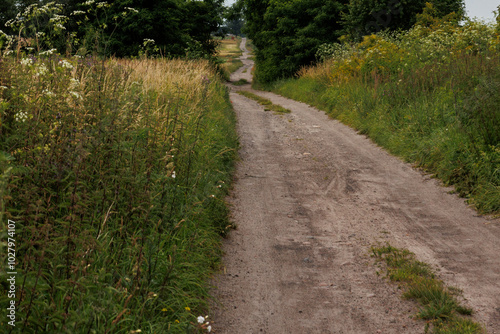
115, 173
430, 95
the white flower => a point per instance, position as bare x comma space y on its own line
209, 329
77, 12
74, 83
21, 116
132, 9
76, 95
3, 87
200, 319
66, 64
26, 61
173, 174
89, 2
48, 52
48, 93
41, 69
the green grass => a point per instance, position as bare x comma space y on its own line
439, 304
115, 173
268, 105
429, 97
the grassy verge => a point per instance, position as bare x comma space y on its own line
268, 105
430, 95
229, 52
115, 174
439, 304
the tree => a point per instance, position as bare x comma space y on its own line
288, 33
121, 27
365, 17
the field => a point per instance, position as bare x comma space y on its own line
114, 173
429, 95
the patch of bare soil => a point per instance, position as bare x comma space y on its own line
310, 197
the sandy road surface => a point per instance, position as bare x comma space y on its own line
310, 197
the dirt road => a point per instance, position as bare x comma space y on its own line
311, 195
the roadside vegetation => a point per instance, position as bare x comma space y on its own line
430, 95
115, 173
440, 305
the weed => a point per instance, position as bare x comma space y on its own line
440, 305
115, 172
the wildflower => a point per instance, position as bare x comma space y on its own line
102, 4
3, 87
48, 52
74, 83
89, 2
77, 12
200, 319
177, 321
21, 117
26, 61
41, 70
173, 177
48, 93
132, 9
164, 310
66, 64
187, 308
209, 328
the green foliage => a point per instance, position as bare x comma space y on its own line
115, 173
118, 28
365, 17
287, 33
430, 95
440, 305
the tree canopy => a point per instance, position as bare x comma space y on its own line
287, 33
123, 27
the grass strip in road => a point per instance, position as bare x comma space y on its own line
440, 306
268, 105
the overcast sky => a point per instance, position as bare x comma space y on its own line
482, 9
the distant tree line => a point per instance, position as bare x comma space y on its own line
287, 33
177, 27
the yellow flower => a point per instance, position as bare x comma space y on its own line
187, 308
164, 310
177, 321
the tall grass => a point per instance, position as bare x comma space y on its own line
430, 95
115, 173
